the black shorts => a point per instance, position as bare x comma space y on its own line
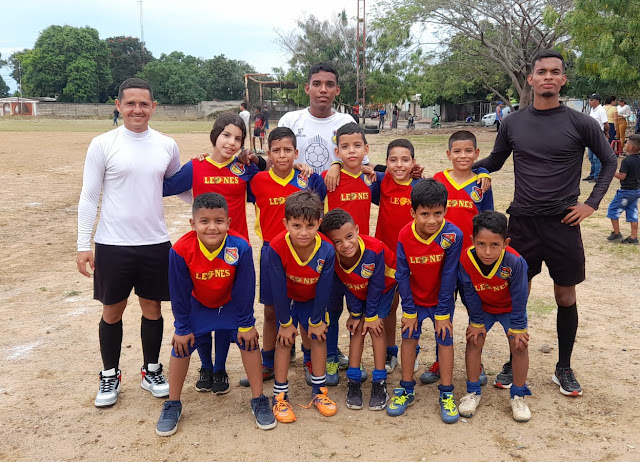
546, 238
121, 268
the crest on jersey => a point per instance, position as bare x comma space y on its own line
366, 179
476, 194
231, 255
505, 272
367, 270
237, 168
319, 265
447, 239
334, 138
302, 182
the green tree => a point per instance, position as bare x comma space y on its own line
175, 78
4, 88
128, 56
223, 78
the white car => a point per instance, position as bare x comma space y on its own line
489, 120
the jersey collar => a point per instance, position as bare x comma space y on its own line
216, 164
496, 265
431, 238
350, 270
455, 184
281, 181
402, 183
287, 238
211, 255
353, 175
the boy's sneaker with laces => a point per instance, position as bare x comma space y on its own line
379, 396
521, 412
390, 363
400, 401
469, 404
630, 240
261, 409
282, 409
343, 360
505, 378
220, 383
308, 369
322, 402
153, 381
567, 382
168, 422
483, 376
614, 237
205, 380
448, 410
109, 388
431, 375
267, 374
333, 378
354, 395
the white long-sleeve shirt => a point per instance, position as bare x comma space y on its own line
129, 169
624, 111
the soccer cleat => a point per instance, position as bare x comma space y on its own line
521, 412
168, 422
431, 375
379, 396
363, 374
390, 363
282, 409
206, 378
614, 237
308, 368
109, 388
154, 382
220, 383
322, 402
343, 360
333, 378
566, 380
505, 378
483, 376
630, 240
267, 374
399, 402
468, 404
448, 410
265, 420
354, 395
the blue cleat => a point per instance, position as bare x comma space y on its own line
448, 409
399, 402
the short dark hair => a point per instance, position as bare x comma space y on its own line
303, 204
335, 219
635, 140
609, 99
322, 67
222, 121
281, 133
621, 100
243, 105
429, 193
350, 129
463, 135
209, 201
134, 82
548, 53
491, 220
401, 143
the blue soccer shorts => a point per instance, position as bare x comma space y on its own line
424, 313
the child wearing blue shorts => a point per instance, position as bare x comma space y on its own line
626, 198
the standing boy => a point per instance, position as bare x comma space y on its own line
258, 129
428, 255
626, 198
245, 115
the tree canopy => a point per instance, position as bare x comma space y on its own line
128, 56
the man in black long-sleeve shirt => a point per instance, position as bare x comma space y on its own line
548, 141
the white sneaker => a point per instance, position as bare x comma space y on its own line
521, 412
109, 388
416, 365
468, 404
391, 363
154, 382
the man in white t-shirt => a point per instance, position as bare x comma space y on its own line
245, 115
128, 165
599, 113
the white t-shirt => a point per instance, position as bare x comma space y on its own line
129, 169
624, 111
600, 115
245, 115
316, 138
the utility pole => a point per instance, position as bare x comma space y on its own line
141, 27
361, 64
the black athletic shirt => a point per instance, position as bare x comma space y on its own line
631, 166
548, 149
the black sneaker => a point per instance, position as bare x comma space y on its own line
354, 395
261, 409
379, 396
206, 379
630, 240
614, 237
220, 383
505, 378
567, 382
587, 178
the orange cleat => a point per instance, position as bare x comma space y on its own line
326, 407
283, 410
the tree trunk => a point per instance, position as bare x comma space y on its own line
526, 95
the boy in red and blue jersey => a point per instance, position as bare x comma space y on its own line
428, 255
302, 264
211, 282
366, 269
493, 277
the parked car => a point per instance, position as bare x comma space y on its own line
490, 119
373, 115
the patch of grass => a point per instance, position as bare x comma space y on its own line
72, 293
8, 124
541, 306
43, 289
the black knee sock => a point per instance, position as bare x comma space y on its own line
151, 335
110, 336
567, 326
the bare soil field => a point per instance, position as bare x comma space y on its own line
49, 355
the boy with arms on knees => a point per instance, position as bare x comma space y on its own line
301, 265
427, 259
212, 281
493, 278
626, 197
366, 268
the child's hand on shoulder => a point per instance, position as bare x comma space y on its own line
201, 156
305, 170
485, 183
319, 331
417, 171
287, 335
408, 324
181, 343
249, 339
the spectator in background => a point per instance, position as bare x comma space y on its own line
355, 112
600, 115
499, 115
612, 116
245, 115
394, 117
116, 114
265, 120
624, 112
381, 115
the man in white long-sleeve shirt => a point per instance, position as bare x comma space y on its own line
132, 245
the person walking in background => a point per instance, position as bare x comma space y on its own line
499, 115
612, 117
394, 117
116, 114
624, 112
245, 115
599, 114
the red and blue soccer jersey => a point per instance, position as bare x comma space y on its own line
201, 282
301, 281
229, 179
269, 192
504, 289
373, 275
394, 200
428, 268
465, 201
353, 194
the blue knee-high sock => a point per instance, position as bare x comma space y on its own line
222, 341
474, 387
204, 351
306, 355
393, 350
353, 374
408, 386
332, 333
379, 375
267, 358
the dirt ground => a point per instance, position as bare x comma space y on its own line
49, 356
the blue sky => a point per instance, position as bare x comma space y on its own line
243, 30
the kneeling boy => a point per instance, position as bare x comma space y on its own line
212, 285
493, 277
